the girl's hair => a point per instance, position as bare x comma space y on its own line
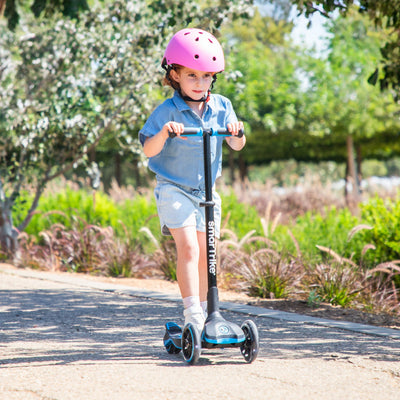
168, 80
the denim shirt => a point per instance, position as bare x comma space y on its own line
181, 161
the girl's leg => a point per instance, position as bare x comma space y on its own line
188, 260
187, 271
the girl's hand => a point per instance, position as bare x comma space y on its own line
235, 127
235, 142
174, 127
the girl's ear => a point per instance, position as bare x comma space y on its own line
174, 75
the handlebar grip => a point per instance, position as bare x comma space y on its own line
192, 131
171, 134
187, 131
225, 132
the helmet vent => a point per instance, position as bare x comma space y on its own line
214, 59
196, 56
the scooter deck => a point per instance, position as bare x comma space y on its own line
218, 334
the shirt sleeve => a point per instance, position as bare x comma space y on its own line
150, 128
155, 122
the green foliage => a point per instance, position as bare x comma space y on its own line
239, 217
303, 105
72, 232
73, 84
383, 215
337, 283
79, 207
314, 300
329, 230
383, 14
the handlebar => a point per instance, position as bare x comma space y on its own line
203, 132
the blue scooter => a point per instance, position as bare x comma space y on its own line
217, 332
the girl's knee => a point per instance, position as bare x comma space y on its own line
188, 251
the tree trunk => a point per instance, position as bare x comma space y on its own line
359, 165
353, 195
2, 7
242, 168
8, 234
231, 161
118, 173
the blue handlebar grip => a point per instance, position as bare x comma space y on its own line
193, 131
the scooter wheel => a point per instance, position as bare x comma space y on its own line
169, 345
250, 346
191, 344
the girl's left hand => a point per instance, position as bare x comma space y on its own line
235, 127
235, 142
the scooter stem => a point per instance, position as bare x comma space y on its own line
212, 295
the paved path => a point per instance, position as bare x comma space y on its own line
65, 337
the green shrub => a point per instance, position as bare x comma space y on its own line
330, 230
383, 215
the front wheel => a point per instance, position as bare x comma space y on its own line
250, 346
191, 344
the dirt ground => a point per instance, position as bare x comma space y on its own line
323, 310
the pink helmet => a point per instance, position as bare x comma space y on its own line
195, 49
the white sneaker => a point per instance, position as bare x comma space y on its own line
204, 307
195, 316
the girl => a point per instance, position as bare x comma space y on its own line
191, 60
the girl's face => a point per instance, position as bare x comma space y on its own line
193, 83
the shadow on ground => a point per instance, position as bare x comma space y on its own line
61, 326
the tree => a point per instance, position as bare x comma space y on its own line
70, 83
301, 106
348, 110
384, 14
69, 8
262, 84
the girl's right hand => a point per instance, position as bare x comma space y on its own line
174, 127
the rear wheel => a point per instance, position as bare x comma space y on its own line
191, 345
250, 346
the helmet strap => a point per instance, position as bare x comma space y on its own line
205, 98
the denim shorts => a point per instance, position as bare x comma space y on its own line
179, 206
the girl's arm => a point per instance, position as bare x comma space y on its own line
154, 144
235, 142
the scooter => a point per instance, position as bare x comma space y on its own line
217, 332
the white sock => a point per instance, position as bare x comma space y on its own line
191, 301
193, 312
